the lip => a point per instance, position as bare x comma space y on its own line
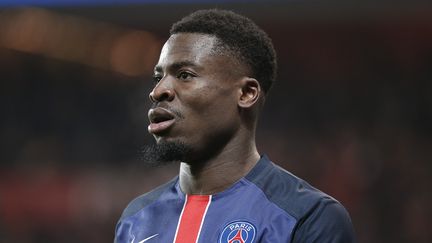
160, 120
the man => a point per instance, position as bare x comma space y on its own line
212, 78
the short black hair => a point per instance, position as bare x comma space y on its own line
241, 36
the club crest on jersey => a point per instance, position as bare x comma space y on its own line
238, 232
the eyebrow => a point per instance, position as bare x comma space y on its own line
176, 66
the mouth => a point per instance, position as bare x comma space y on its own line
160, 120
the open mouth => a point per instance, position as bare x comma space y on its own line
160, 120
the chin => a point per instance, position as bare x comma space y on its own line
165, 151
166, 139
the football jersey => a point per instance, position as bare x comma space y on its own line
269, 204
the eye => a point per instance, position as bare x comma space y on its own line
184, 75
156, 78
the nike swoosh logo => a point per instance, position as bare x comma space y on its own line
148, 238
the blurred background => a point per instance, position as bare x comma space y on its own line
351, 111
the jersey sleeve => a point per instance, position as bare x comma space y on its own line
328, 222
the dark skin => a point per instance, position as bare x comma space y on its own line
206, 100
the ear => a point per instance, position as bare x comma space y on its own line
249, 93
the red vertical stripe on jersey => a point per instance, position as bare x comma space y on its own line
192, 217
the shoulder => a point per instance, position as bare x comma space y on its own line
327, 222
314, 211
287, 191
146, 199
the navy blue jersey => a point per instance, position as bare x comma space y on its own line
268, 205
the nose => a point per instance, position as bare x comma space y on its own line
162, 92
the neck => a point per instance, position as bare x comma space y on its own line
221, 171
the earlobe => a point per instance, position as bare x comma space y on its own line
249, 93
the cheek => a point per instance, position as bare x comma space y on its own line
215, 102
209, 117
219, 116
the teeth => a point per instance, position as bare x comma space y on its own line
160, 119
159, 115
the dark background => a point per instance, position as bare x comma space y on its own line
351, 112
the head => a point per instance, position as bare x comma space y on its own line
239, 38
211, 80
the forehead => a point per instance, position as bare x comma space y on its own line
188, 47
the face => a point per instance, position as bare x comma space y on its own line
195, 97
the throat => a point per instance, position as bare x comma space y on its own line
214, 177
